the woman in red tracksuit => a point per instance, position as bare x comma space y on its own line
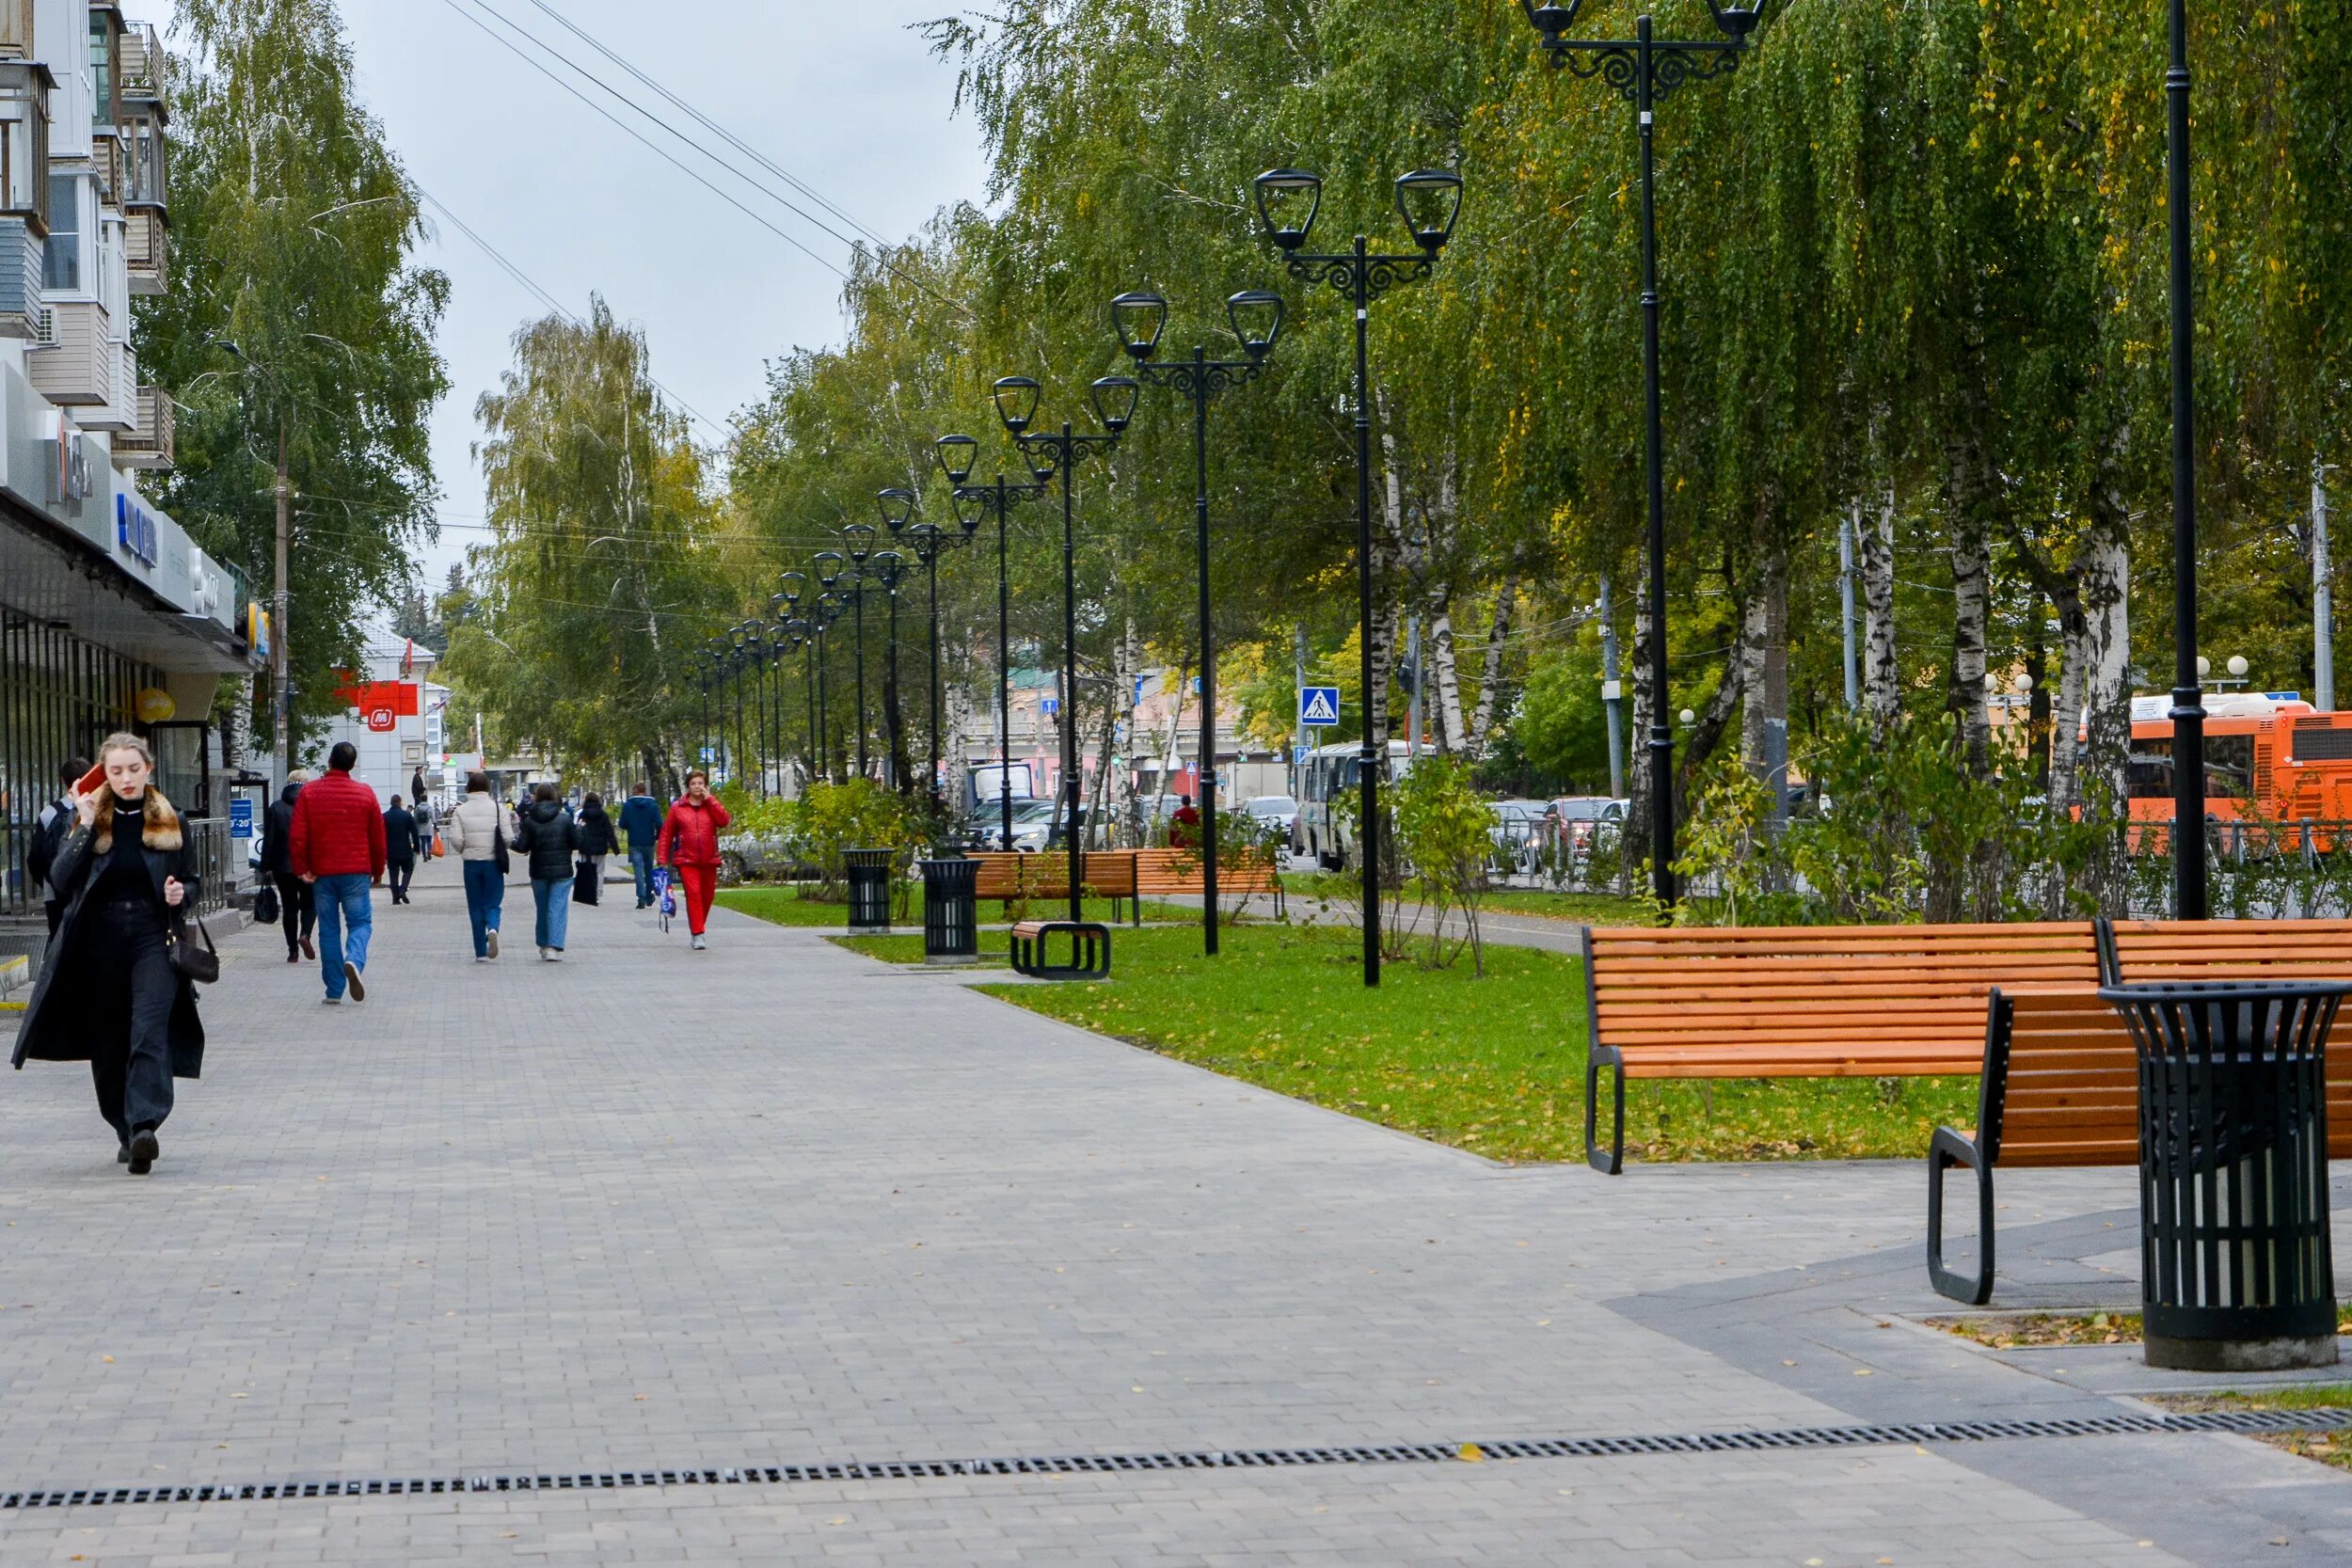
690, 845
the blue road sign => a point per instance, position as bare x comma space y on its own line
710, 753
241, 817
1318, 707
1052, 705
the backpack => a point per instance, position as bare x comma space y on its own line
48, 838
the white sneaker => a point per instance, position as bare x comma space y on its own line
492, 937
482, 957
700, 944
555, 955
543, 954
331, 1001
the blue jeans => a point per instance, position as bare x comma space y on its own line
342, 901
640, 862
554, 901
486, 893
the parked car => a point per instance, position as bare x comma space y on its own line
1043, 830
1275, 814
1516, 831
985, 829
1574, 824
757, 857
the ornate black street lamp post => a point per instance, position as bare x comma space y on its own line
1642, 70
739, 645
956, 454
1256, 317
1052, 455
889, 568
827, 565
2188, 705
927, 540
794, 585
1429, 201
859, 542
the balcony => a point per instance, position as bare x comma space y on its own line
21, 246
120, 413
111, 163
16, 29
73, 365
146, 249
139, 69
149, 444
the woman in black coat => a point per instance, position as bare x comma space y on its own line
297, 908
107, 993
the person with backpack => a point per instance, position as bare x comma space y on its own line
49, 836
690, 845
641, 820
297, 911
546, 838
479, 839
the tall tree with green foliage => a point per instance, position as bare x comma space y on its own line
601, 578
298, 333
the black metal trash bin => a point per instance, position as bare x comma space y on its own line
951, 911
2237, 1269
869, 889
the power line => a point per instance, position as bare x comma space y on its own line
728, 136
553, 304
637, 135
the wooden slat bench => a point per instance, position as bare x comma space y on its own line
1167, 873
2060, 1088
2143, 950
1013, 877
1805, 1002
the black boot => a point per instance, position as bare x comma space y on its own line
141, 1150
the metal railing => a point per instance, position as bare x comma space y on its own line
219, 861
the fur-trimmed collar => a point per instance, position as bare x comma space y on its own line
159, 823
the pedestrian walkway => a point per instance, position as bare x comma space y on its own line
774, 1204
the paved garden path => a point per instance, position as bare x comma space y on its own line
776, 1205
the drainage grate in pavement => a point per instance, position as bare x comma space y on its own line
2120, 1424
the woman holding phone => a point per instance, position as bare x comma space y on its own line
108, 994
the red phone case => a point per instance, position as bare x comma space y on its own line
91, 780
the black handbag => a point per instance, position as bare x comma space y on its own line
265, 911
203, 968
584, 888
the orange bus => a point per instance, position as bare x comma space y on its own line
2269, 756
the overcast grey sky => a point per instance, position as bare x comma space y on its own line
839, 93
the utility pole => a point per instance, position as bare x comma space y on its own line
1612, 693
1846, 525
2323, 597
282, 739
1298, 737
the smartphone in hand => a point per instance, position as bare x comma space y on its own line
89, 782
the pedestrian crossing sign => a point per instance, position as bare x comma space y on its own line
1318, 707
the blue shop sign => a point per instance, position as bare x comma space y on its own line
135, 533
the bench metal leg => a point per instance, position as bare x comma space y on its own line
1609, 1161
1948, 1150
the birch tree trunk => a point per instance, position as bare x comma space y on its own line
1451, 737
2103, 771
1384, 624
1968, 490
1490, 677
1882, 679
1638, 816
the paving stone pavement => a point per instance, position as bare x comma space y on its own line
775, 1204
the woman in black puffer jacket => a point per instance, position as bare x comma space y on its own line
547, 835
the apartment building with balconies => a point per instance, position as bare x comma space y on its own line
111, 616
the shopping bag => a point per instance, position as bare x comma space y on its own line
584, 889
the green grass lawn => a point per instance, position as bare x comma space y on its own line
1495, 1066
783, 906
2328, 1447
1310, 889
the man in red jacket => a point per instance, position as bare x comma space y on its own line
337, 845
690, 844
